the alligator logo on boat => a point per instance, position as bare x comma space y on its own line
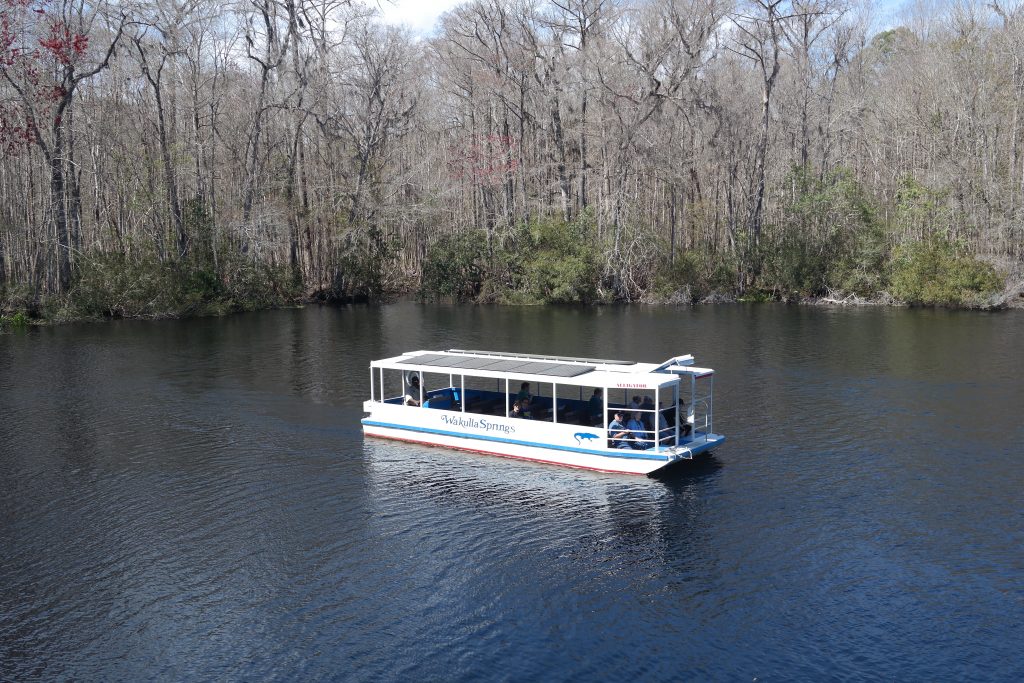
584, 436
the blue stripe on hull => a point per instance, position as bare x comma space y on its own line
617, 453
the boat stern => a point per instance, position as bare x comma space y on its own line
686, 451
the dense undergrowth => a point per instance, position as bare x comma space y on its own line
116, 286
829, 244
937, 272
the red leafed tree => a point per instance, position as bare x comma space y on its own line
46, 52
487, 159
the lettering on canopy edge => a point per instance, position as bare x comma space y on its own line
627, 385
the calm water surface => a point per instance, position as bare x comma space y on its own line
195, 500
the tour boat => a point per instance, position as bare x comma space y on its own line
550, 409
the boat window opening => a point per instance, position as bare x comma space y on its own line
573, 406
591, 408
440, 392
699, 414
540, 402
479, 396
641, 415
394, 386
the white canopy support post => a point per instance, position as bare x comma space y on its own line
675, 399
655, 422
604, 415
554, 403
462, 392
371, 384
711, 403
692, 409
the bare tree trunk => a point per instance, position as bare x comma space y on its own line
563, 178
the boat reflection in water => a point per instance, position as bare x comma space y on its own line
431, 499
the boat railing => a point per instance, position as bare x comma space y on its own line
702, 415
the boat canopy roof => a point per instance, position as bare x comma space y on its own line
562, 370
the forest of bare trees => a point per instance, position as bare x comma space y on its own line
539, 150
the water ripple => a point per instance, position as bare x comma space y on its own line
195, 500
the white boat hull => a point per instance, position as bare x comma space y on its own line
565, 445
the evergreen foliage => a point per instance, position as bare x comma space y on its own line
546, 261
694, 275
829, 240
368, 268
116, 286
938, 272
456, 267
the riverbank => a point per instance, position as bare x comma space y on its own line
547, 263
56, 313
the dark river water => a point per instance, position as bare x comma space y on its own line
194, 500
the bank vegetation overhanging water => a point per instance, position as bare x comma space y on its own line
164, 159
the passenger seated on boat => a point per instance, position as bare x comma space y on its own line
638, 433
618, 433
524, 392
595, 407
664, 435
648, 417
412, 394
685, 428
521, 409
634, 406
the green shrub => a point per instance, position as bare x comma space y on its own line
863, 269
114, 285
15, 299
118, 286
561, 263
828, 239
18, 320
544, 261
455, 266
368, 267
553, 277
938, 272
695, 274
246, 285
793, 266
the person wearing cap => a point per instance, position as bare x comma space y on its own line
617, 432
